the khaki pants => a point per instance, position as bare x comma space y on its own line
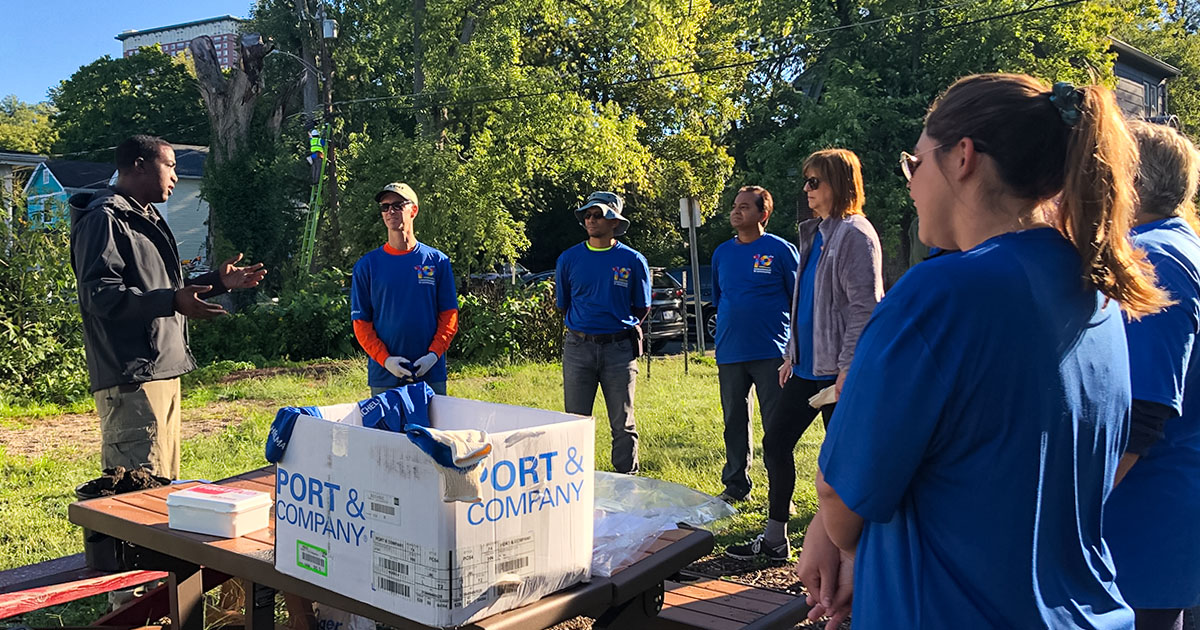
139, 426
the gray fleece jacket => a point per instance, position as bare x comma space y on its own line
847, 286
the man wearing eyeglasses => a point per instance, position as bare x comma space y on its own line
603, 288
403, 301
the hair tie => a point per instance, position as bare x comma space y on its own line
1068, 99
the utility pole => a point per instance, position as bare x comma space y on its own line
309, 58
327, 30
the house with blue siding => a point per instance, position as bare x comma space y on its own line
52, 183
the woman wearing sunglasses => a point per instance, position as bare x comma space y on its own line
838, 284
987, 406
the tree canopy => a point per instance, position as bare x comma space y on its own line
26, 127
109, 100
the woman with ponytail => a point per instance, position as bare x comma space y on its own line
1152, 519
962, 481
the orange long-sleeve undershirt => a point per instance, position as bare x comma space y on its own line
367, 337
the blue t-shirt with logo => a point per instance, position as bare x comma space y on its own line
977, 435
752, 287
597, 289
804, 314
1152, 520
402, 296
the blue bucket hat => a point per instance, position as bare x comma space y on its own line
611, 204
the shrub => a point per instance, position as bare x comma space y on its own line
311, 321
41, 333
522, 324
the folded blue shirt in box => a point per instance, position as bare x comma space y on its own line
281, 430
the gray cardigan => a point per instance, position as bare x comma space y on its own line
847, 286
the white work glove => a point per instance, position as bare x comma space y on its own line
425, 363
395, 365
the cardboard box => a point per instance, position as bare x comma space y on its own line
360, 511
219, 510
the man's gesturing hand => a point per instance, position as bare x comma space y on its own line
234, 277
189, 304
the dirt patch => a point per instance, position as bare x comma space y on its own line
317, 370
80, 433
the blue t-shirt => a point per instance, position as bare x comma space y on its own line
597, 289
804, 314
752, 287
1152, 520
402, 296
978, 434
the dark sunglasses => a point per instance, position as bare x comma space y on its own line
812, 183
593, 215
395, 206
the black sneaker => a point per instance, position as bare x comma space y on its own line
730, 498
759, 547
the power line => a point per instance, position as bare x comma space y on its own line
702, 70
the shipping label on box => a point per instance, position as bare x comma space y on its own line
360, 511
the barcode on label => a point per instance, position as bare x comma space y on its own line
500, 590
392, 586
383, 509
512, 565
311, 558
392, 565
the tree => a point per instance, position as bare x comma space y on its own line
26, 127
501, 112
864, 77
110, 99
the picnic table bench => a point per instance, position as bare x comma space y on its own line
629, 599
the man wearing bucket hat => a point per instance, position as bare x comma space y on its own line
603, 288
403, 301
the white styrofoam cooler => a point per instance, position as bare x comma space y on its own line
219, 510
360, 511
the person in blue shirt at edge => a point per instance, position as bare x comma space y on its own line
1152, 519
963, 478
830, 306
602, 287
403, 302
752, 278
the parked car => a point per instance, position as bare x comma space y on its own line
514, 273
706, 298
666, 310
666, 306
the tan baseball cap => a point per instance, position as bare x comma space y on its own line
400, 188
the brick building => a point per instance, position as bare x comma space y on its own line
175, 38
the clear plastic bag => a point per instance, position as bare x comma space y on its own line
630, 510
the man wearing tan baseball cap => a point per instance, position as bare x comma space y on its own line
403, 302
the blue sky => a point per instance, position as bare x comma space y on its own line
45, 41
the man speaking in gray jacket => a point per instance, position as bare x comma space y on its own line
135, 304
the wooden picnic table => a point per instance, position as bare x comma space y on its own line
630, 598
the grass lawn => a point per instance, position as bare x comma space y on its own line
678, 419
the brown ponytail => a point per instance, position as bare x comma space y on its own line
1042, 150
1098, 204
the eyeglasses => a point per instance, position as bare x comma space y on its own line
910, 162
395, 206
812, 183
593, 215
